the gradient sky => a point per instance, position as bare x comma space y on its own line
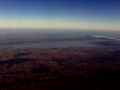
73, 14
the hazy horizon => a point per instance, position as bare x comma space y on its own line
60, 14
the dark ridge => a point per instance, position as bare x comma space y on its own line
21, 54
14, 61
20, 42
106, 43
60, 61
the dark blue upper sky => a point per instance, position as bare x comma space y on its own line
84, 13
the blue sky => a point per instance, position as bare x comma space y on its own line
73, 14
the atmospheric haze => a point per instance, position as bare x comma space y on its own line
59, 44
64, 14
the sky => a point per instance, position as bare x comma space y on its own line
65, 14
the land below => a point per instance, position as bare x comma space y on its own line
67, 68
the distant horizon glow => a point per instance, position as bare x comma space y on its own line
61, 14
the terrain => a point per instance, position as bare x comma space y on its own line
70, 68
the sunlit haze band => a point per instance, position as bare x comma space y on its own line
66, 14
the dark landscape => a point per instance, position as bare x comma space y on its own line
67, 67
